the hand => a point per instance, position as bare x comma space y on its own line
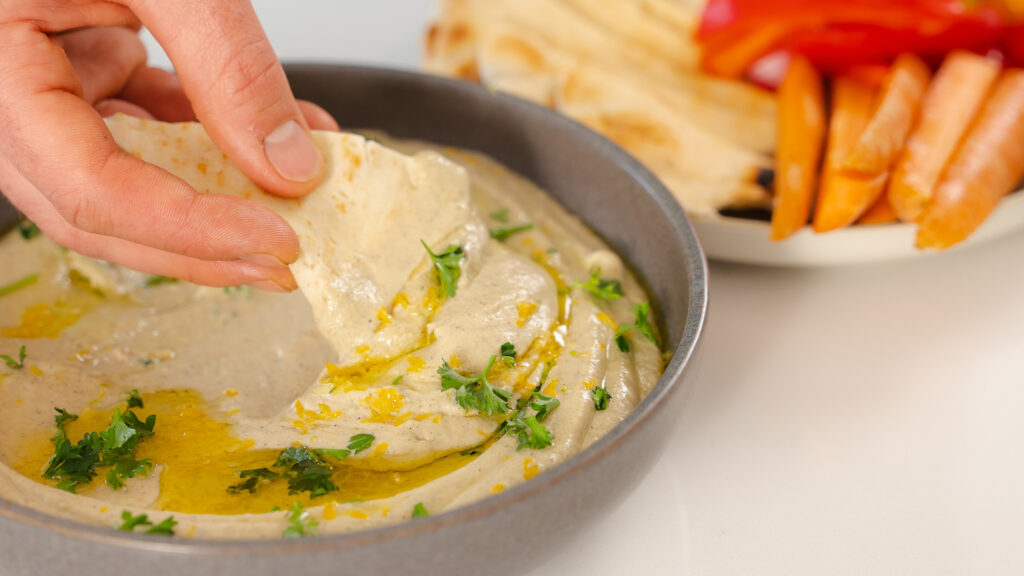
64, 62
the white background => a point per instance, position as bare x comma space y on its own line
864, 420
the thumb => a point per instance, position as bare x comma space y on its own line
238, 89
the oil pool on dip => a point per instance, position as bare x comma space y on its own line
457, 333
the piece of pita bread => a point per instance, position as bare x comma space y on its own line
374, 205
707, 139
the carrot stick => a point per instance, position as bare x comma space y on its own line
897, 109
951, 103
845, 195
801, 136
881, 212
988, 165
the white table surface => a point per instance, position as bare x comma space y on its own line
865, 420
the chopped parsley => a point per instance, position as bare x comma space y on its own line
19, 284
447, 264
504, 233
508, 353
12, 363
528, 427
28, 229
356, 444
601, 288
73, 465
420, 511
303, 467
642, 325
475, 391
601, 398
130, 522
155, 280
300, 523
134, 400
500, 215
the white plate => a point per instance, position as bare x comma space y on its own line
747, 241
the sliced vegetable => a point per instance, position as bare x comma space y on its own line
898, 106
19, 284
986, 167
953, 100
844, 196
836, 35
801, 137
881, 212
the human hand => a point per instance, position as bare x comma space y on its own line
63, 63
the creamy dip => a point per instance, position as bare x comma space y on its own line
236, 376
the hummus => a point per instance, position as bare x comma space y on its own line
457, 333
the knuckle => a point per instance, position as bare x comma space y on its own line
249, 75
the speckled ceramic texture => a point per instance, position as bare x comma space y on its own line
521, 527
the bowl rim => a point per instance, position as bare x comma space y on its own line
668, 383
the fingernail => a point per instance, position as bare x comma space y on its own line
292, 153
269, 286
264, 260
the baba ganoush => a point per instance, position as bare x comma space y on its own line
457, 333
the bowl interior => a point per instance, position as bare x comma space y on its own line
593, 179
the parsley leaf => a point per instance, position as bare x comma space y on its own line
642, 325
504, 233
543, 404
601, 288
166, 527
75, 464
531, 433
508, 353
19, 284
300, 523
306, 472
155, 280
360, 442
15, 364
419, 511
500, 215
134, 400
601, 398
130, 521
28, 229
475, 391
303, 467
447, 265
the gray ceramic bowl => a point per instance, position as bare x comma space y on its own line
521, 527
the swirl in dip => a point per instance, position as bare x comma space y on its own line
457, 333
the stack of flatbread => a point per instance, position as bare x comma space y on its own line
627, 69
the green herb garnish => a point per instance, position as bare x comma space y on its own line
419, 511
76, 464
28, 229
303, 467
19, 284
528, 427
508, 353
155, 280
601, 398
504, 233
642, 325
12, 363
134, 400
601, 288
475, 391
500, 215
300, 523
447, 265
130, 522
